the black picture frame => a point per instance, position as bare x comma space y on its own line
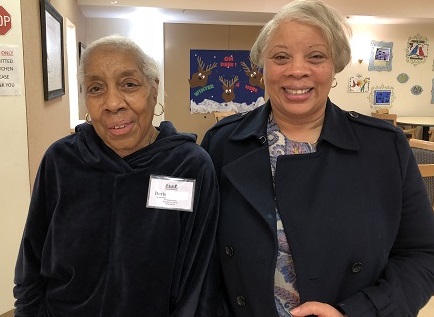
81, 48
53, 71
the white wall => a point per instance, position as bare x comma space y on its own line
14, 169
405, 103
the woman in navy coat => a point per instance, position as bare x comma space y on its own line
323, 211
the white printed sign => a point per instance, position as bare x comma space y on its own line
9, 71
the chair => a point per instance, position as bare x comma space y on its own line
218, 115
424, 153
391, 117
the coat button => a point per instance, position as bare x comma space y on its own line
229, 250
357, 267
241, 301
353, 114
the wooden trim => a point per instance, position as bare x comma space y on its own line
427, 170
8, 314
422, 144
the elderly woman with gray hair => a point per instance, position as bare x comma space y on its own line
123, 215
323, 211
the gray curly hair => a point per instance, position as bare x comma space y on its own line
312, 12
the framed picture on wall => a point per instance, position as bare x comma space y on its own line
382, 97
381, 56
52, 51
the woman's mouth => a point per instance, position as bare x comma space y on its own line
297, 91
121, 128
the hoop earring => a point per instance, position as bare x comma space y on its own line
88, 119
161, 112
334, 83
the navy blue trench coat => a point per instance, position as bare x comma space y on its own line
356, 214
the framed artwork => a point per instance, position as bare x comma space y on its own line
381, 56
52, 51
381, 97
417, 49
359, 83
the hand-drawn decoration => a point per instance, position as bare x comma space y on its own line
254, 73
381, 56
359, 83
200, 78
402, 78
381, 97
228, 88
221, 80
416, 90
417, 49
432, 91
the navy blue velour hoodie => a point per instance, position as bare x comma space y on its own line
91, 247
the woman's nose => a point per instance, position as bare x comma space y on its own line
297, 67
114, 100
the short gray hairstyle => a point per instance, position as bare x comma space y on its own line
149, 66
312, 12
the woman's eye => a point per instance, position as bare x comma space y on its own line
280, 58
94, 89
317, 57
130, 85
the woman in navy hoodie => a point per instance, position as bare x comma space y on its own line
123, 214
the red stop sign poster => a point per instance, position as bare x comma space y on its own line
5, 21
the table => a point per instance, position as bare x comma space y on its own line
425, 122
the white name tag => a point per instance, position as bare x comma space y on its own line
170, 193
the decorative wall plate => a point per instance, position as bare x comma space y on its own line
402, 78
416, 90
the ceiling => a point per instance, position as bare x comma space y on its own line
111, 9
179, 15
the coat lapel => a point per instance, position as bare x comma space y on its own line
254, 182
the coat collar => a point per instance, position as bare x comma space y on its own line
336, 129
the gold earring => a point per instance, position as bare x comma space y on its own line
335, 83
161, 112
88, 119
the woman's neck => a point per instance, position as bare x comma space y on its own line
301, 130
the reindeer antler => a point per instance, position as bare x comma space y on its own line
200, 62
245, 67
223, 81
233, 81
228, 83
209, 67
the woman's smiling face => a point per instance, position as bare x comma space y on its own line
298, 71
120, 99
